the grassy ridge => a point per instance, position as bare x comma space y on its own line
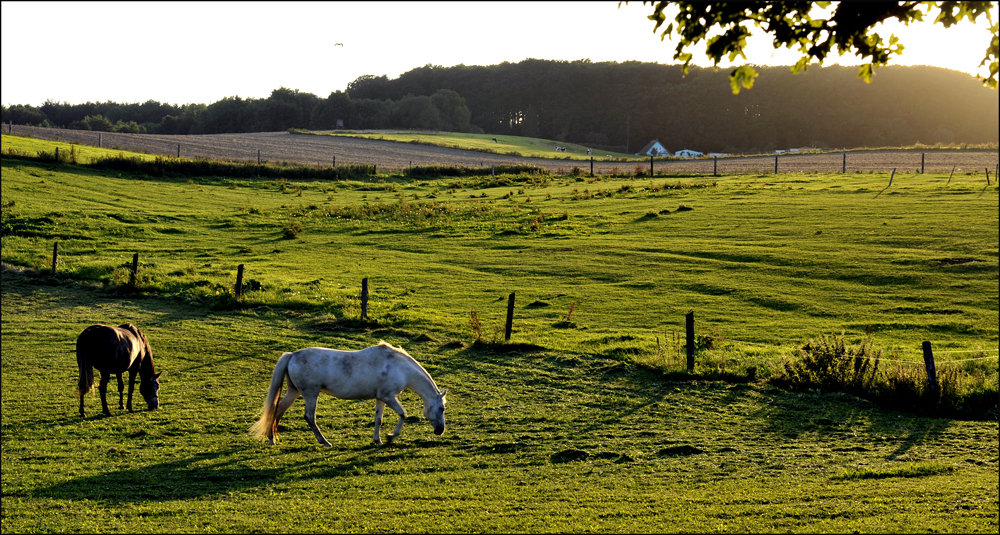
584, 422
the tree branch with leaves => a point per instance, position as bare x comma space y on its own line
848, 30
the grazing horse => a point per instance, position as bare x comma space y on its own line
113, 351
378, 372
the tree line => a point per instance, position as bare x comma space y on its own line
607, 105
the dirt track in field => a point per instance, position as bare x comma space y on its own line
278, 147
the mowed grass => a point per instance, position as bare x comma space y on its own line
574, 427
528, 147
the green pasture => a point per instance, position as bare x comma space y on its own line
84, 153
584, 422
528, 147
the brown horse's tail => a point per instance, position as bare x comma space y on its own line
266, 422
85, 380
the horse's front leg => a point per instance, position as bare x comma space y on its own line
102, 387
311, 417
121, 393
379, 409
131, 387
393, 404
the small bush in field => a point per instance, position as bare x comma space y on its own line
292, 229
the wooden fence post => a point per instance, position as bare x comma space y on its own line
650, 166
715, 166
55, 257
135, 270
952, 173
689, 328
57, 156
335, 161
775, 165
843, 168
591, 167
892, 175
922, 154
258, 156
100, 140
510, 318
364, 298
178, 150
987, 176
929, 363
239, 281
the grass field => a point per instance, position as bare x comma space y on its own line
584, 423
528, 147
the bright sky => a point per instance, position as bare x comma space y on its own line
202, 52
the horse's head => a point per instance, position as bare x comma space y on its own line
434, 411
149, 387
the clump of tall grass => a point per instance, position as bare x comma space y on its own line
965, 390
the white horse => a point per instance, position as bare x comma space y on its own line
379, 372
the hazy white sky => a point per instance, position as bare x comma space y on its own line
202, 52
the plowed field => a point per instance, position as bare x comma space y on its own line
389, 156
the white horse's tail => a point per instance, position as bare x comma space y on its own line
266, 421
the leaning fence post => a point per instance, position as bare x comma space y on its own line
892, 175
239, 281
364, 298
55, 257
510, 318
952, 174
929, 363
135, 270
689, 324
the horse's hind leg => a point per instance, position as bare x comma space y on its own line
311, 418
283, 405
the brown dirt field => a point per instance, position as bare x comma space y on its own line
278, 147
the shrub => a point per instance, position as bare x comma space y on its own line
291, 230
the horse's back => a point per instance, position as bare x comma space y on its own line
107, 346
348, 374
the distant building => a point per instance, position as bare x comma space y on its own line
688, 153
653, 148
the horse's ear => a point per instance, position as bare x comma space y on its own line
443, 392
157, 376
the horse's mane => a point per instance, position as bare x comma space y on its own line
145, 345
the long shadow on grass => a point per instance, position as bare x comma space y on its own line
217, 473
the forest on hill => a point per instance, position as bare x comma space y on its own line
607, 105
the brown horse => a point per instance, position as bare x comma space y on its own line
113, 351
